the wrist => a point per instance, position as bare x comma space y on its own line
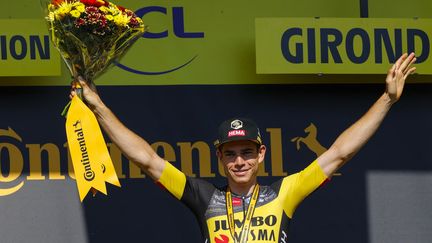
98, 107
387, 99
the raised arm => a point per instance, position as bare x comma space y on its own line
353, 138
133, 146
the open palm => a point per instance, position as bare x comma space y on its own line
397, 75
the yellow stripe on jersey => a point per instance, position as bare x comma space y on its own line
296, 187
173, 180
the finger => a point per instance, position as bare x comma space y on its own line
75, 84
82, 82
392, 69
407, 60
410, 64
92, 86
73, 87
400, 60
391, 73
410, 71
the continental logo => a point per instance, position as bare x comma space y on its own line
22, 161
176, 16
89, 174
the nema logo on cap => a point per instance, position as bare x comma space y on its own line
236, 129
236, 124
236, 133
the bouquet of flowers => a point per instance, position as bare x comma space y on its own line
91, 34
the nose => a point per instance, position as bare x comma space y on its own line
239, 161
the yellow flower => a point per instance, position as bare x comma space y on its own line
51, 7
63, 9
104, 9
121, 20
109, 17
51, 16
75, 13
75, 4
113, 10
80, 8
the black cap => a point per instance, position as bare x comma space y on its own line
236, 129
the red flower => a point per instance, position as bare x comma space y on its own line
56, 2
79, 22
96, 3
91, 9
121, 8
133, 22
129, 13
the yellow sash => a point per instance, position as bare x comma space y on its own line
90, 158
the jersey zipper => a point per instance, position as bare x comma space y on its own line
244, 208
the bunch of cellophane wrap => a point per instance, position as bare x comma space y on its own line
91, 34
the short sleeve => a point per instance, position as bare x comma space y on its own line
296, 187
173, 180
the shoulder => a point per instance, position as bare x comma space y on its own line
309, 178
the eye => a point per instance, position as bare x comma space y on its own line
248, 153
229, 154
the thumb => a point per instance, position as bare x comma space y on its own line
88, 85
82, 82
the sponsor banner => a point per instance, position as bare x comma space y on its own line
340, 45
25, 49
297, 124
90, 157
192, 42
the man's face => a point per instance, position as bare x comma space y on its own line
240, 160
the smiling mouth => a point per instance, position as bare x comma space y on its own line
240, 172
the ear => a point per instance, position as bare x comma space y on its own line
261, 153
218, 154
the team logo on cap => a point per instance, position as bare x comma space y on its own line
236, 124
236, 133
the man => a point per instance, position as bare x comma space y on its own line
245, 211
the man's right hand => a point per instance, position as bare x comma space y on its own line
89, 92
134, 147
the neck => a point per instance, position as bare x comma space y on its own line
242, 190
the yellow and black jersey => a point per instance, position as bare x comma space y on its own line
274, 210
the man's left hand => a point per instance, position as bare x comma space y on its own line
397, 75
